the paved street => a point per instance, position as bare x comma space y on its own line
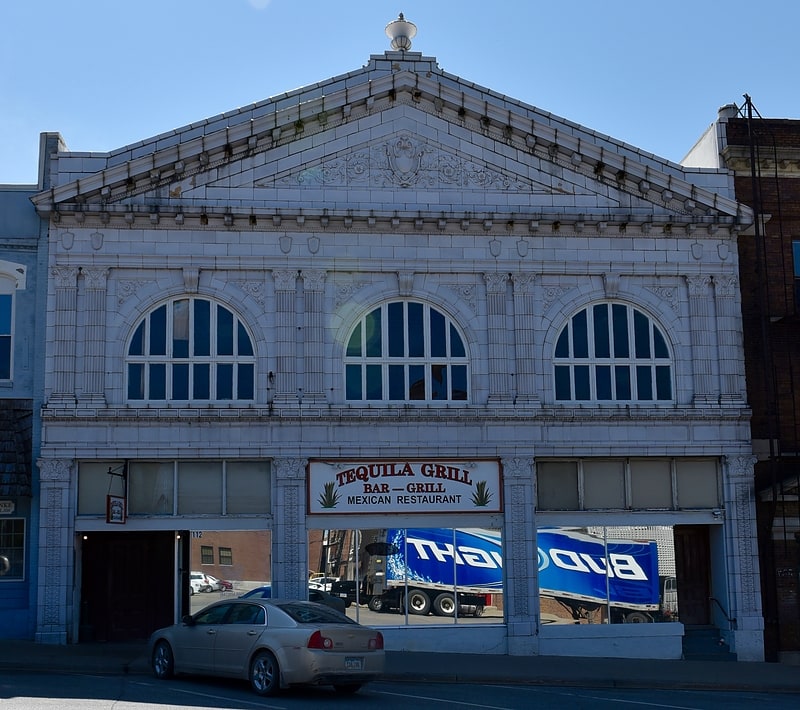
47, 691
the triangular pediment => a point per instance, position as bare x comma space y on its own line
405, 139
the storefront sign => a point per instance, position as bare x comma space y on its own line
115, 509
7, 507
404, 486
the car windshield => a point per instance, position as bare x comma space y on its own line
314, 614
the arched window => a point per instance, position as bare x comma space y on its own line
191, 349
406, 351
612, 352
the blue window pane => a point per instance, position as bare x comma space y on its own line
644, 383
659, 344
225, 381
456, 344
416, 382
396, 328
137, 341
354, 345
201, 386
622, 381
459, 376
224, 332
602, 347
180, 381
352, 382
243, 342
245, 386
563, 384
374, 337
438, 381
158, 331
796, 256
374, 382
619, 317
5, 313
5, 358
663, 382
580, 335
562, 346
641, 334
603, 382
582, 391
416, 331
202, 327
136, 381
180, 328
438, 334
397, 382
158, 381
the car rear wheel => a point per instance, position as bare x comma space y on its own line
347, 688
264, 674
163, 661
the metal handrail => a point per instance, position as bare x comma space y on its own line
731, 622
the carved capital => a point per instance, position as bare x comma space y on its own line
495, 283
698, 285
65, 276
285, 280
96, 278
313, 280
54, 470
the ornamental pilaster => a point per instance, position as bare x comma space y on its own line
314, 292
702, 339
499, 389
65, 279
524, 304
731, 338
289, 538
285, 329
95, 292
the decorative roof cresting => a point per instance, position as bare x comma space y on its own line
401, 32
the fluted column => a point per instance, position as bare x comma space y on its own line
519, 553
524, 390
96, 281
702, 329
313, 288
289, 538
65, 279
56, 552
285, 341
742, 550
731, 340
499, 389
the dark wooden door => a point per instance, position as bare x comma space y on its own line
127, 585
693, 574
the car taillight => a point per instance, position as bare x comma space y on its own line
376, 643
317, 640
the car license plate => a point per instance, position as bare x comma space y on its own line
353, 663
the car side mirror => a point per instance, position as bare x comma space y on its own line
188, 619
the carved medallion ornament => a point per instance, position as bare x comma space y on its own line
405, 161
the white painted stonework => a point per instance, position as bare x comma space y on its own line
301, 214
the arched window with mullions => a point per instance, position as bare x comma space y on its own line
191, 349
612, 352
406, 351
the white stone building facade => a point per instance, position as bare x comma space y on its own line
232, 292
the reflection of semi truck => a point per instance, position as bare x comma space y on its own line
437, 569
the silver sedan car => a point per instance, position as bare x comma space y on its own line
273, 643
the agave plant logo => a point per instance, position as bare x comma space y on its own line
482, 495
329, 498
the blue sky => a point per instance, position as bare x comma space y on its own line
107, 73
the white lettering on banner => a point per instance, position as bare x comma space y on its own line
463, 555
621, 566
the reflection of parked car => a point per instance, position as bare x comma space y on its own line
314, 595
225, 585
273, 644
201, 582
218, 584
323, 583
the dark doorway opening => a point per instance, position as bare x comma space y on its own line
127, 585
693, 574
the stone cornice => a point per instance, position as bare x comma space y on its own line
786, 164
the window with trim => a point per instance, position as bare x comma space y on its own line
206, 555
225, 556
191, 349
12, 549
6, 311
612, 352
406, 351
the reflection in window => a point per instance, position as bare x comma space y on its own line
599, 575
415, 574
191, 349
406, 351
612, 352
6, 311
12, 549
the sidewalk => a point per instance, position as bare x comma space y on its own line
132, 658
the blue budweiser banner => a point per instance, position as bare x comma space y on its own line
577, 565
